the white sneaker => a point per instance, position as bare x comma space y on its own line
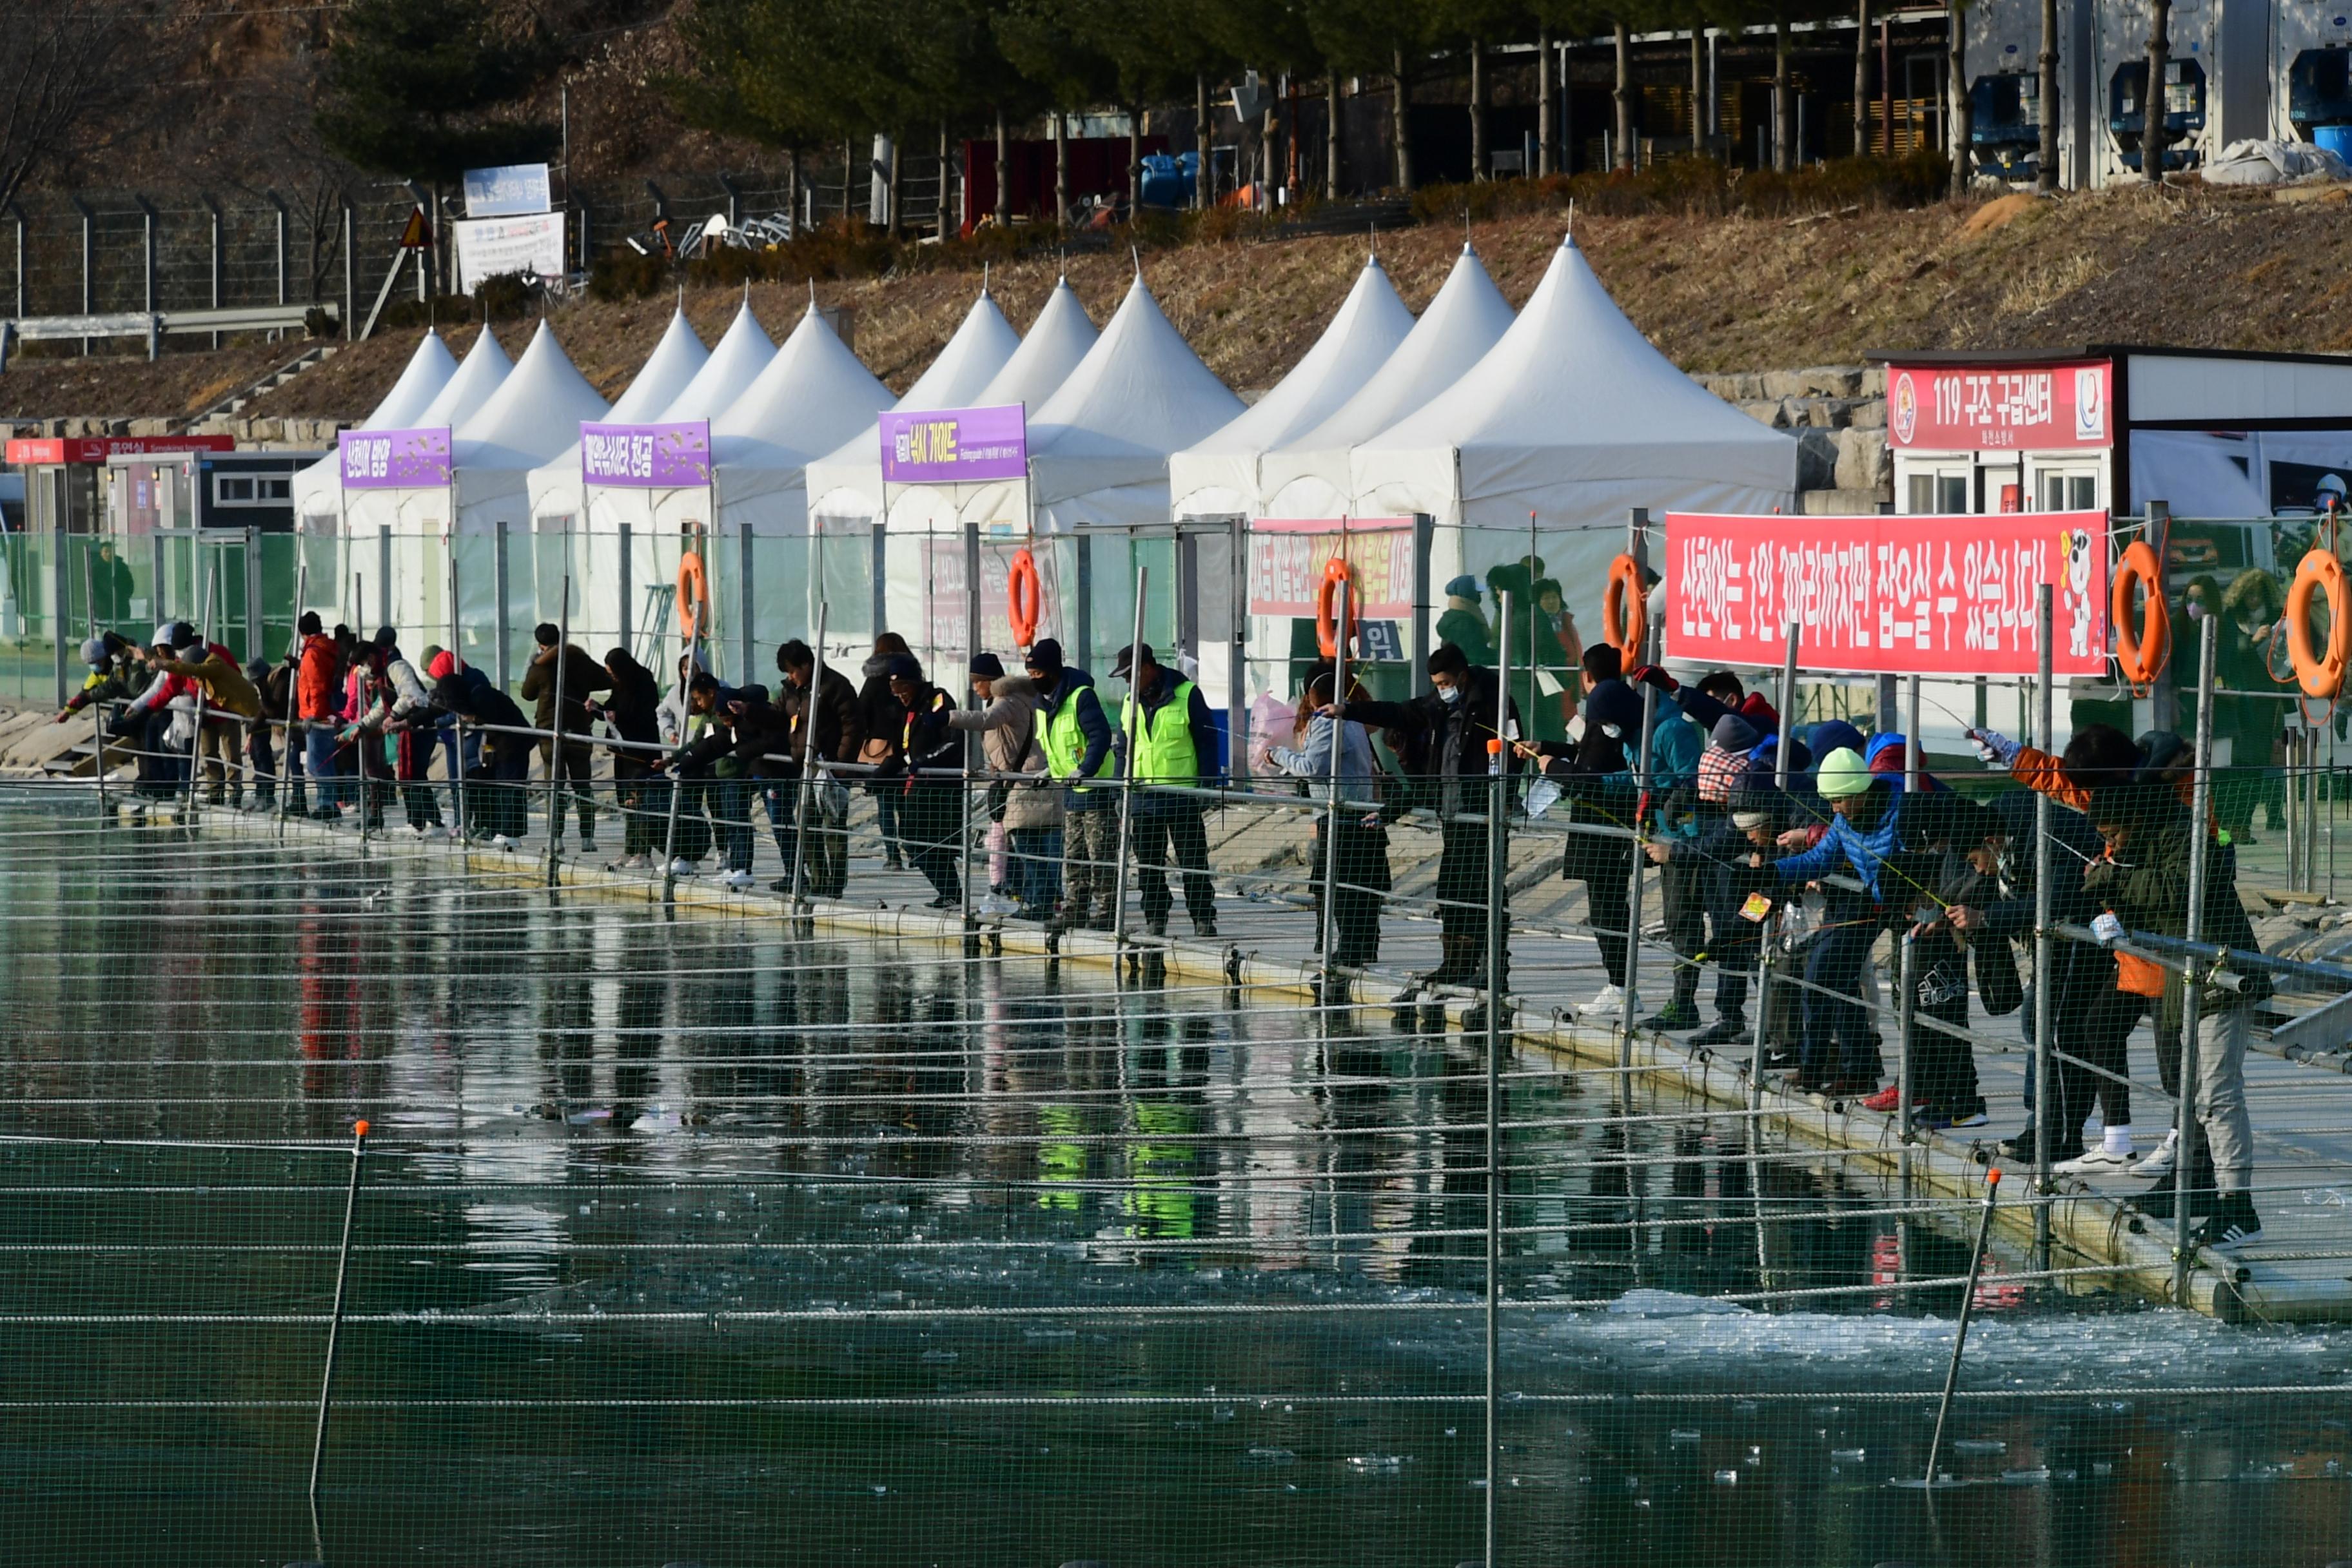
501, 841
2161, 1163
1610, 998
738, 880
634, 863
2100, 1161
685, 868
995, 905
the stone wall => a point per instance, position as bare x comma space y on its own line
1838, 414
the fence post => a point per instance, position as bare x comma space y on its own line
350, 276
1498, 801
744, 600
335, 1320
1960, 1334
1237, 717
1424, 540
1129, 717
2044, 1108
88, 259
809, 757
499, 659
253, 638
1338, 699
555, 740
213, 217
383, 575
879, 544
57, 600
1631, 1003
972, 746
2200, 812
146, 253
277, 206
1081, 652
622, 581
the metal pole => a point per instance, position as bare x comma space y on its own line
1083, 653
1424, 540
293, 693
1498, 800
1132, 716
971, 751
1630, 1001
1960, 1335
253, 592
743, 598
795, 889
556, 739
204, 647
1914, 751
383, 575
2044, 1108
335, 1321
1331, 813
1237, 717
627, 637
1787, 707
879, 544
2200, 812
498, 655
58, 543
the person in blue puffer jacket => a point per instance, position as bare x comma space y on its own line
1840, 1050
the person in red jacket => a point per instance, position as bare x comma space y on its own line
318, 706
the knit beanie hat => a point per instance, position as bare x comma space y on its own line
1843, 774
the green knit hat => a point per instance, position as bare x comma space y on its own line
1842, 774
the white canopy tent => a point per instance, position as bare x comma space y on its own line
319, 489
844, 486
1219, 476
1571, 420
1307, 476
484, 370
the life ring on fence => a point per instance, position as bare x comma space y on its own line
1624, 608
2322, 674
1022, 598
693, 596
2142, 655
1336, 571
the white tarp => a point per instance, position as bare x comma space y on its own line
1309, 475
1219, 476
494, 247
844, 486
2260, 162
319, 489
1573, 417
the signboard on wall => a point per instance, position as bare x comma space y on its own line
492, 247
1287, 558
645, 456
2020, 408
30, 450
513, 190
955, 446
394, 460
1888, 596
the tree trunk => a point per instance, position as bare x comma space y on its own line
848, 177
1400, 132
792, 185
1624, 97
2152, 135
1544, 112
1698, 94
1862, 79
948, 224
1784, 107
1134, 162
1956, 98
2047, 175
1061, 170
1003, 172
1479, 159
890, 189
1201, 175
1331, 142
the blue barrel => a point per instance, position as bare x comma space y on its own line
2336, 139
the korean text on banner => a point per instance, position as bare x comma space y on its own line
1888, 596
1287, 558
513, 190
492, 247
645, 456
2017, 408
396, 459
955, 446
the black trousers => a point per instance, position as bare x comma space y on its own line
1682, 889
1363, 877
1608, 873
1733, 939
1943, 1066
1172, 829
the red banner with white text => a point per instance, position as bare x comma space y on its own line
1888, 596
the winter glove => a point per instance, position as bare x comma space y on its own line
1654, 674
1995, 747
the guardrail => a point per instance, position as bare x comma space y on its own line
153, 325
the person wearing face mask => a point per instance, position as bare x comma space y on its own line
1444, 733
1593, 776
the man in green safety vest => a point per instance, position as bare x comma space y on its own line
1166, 739
1075, 735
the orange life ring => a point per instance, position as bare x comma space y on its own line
693, 596
1022, 598
2141, 657
2322, 674
1624, 608
1336, 571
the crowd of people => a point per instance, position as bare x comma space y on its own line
1825, 842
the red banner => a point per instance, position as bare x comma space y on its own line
1888, 596
1288, 557
2022, 407
25, 452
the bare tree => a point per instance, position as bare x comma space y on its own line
64, 72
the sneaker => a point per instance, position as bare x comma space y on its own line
685, 868
501, 841
1729, 1031
1610, 998
2233, 1225
2100, 1161
1964, 1115
638, 862
996, 905
1156, 928
737, 880
587, 844
1887, 1099
1205, 926
2162, 1161
2018, 1147
1673, 1015
943, 902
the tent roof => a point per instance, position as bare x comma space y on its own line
1057, 344
1573, 394
421, 380
743, 351
1220, 474
1141, 394
1466, 318
812, 396
666, 373
535, 413
485, 367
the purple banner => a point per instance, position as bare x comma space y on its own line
645, 456
396, 459
955, 446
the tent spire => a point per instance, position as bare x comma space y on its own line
1135, 254
983, 280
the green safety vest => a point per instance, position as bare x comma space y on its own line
1162, 738
1064, 741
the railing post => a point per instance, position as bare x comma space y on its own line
335, 1320
1498, 801
797, 886
500, 656
972, 752
1630, 1001
2200, 812
621, 581
555, 740
2044, 1108
1133, 716
59, 540
1331, 807
1960, 1334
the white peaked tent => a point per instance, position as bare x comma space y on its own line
484, 370
844, 487
1307, 476
319, 489
814, 395
1219, 476
1575, 417
743, 351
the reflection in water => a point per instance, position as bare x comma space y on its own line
683, 1238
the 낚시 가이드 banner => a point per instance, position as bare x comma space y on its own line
396, 459
645, 456
1888, 596
955, 446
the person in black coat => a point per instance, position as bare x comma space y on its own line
497, 795
632, 706
880, 722
928, 773
1445, 734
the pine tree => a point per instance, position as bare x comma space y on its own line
411, 86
